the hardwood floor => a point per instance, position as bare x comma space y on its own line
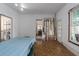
50, 48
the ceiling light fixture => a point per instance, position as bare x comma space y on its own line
16, 4
22, 5
22, 9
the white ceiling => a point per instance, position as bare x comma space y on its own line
38, 8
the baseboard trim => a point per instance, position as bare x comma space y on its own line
71, 49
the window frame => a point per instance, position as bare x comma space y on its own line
69, 25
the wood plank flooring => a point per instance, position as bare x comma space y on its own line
50, 48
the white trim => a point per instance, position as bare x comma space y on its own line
71, 49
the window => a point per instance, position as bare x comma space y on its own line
5, 27
74, 25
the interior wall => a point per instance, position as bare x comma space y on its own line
27, 23
63, 16
5, 10
23, 25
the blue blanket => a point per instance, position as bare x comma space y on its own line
16, 47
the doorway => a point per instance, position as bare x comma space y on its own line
39, 28
45, 29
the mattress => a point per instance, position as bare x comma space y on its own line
19, 46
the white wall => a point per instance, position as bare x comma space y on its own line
5, 10
22, 24
27, 23
63, 16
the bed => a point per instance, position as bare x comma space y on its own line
19, 46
